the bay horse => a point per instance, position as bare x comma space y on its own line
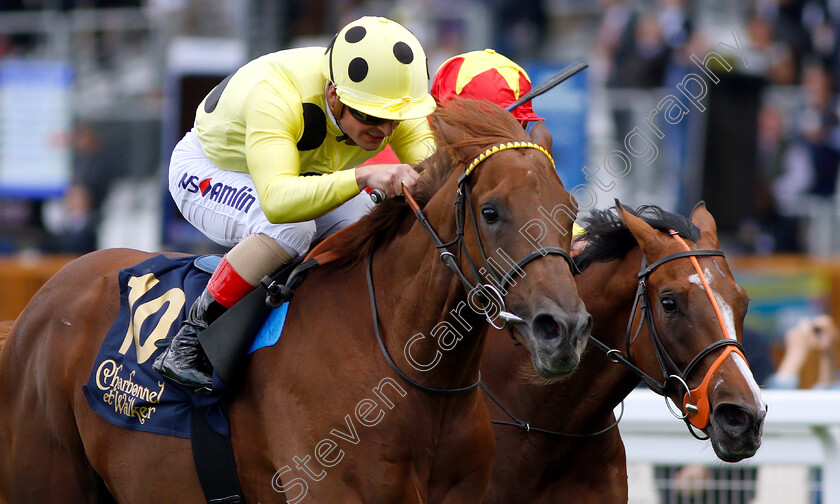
636, 268
396, 424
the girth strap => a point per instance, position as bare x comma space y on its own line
214, 462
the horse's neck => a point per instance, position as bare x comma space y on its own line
422, 301
611, 287
413, 292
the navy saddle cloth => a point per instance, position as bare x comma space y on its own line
155, 296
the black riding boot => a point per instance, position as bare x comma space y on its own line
184, 361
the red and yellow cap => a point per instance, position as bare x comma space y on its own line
484, 75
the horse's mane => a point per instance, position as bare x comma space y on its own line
5, 328
477, 126
609, 238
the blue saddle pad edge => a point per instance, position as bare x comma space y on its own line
269, 333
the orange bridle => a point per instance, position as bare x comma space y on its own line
696, 407
700, 410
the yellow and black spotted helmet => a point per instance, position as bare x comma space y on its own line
378, 67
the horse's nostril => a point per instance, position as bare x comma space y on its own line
546, 327
738, 417
734, 417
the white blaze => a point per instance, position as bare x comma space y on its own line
729, 322
748, 377
725, 309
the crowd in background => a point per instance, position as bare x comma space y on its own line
793, 47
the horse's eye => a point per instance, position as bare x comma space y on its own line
490, 214
668, 304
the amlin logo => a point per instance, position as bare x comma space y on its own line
239, 198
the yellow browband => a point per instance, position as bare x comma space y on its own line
510, 145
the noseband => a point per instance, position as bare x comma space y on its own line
495, 288
695, 406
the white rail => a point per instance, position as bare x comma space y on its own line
802, 427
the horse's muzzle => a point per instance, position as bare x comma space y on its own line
559, 341
737, 431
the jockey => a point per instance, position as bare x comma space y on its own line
479, 75
484, 75
487, 75
272, 163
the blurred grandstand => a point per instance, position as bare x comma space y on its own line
95, 93
763, 154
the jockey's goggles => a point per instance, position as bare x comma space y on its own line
369, 119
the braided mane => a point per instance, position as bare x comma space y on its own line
477, 126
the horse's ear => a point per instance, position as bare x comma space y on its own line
541, 136
649, 239
701, 218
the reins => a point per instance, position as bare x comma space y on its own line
696, 408
389, 360
494, 290
522, 424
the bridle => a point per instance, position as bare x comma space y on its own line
696, 409
494, 288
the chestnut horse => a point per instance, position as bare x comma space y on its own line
5, 327
682, 342
389, 421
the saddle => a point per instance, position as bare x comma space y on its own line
124, 390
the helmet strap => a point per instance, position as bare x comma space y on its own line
330, 52
335, 115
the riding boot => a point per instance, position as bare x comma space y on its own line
184, 361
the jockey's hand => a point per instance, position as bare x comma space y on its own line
388, 177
